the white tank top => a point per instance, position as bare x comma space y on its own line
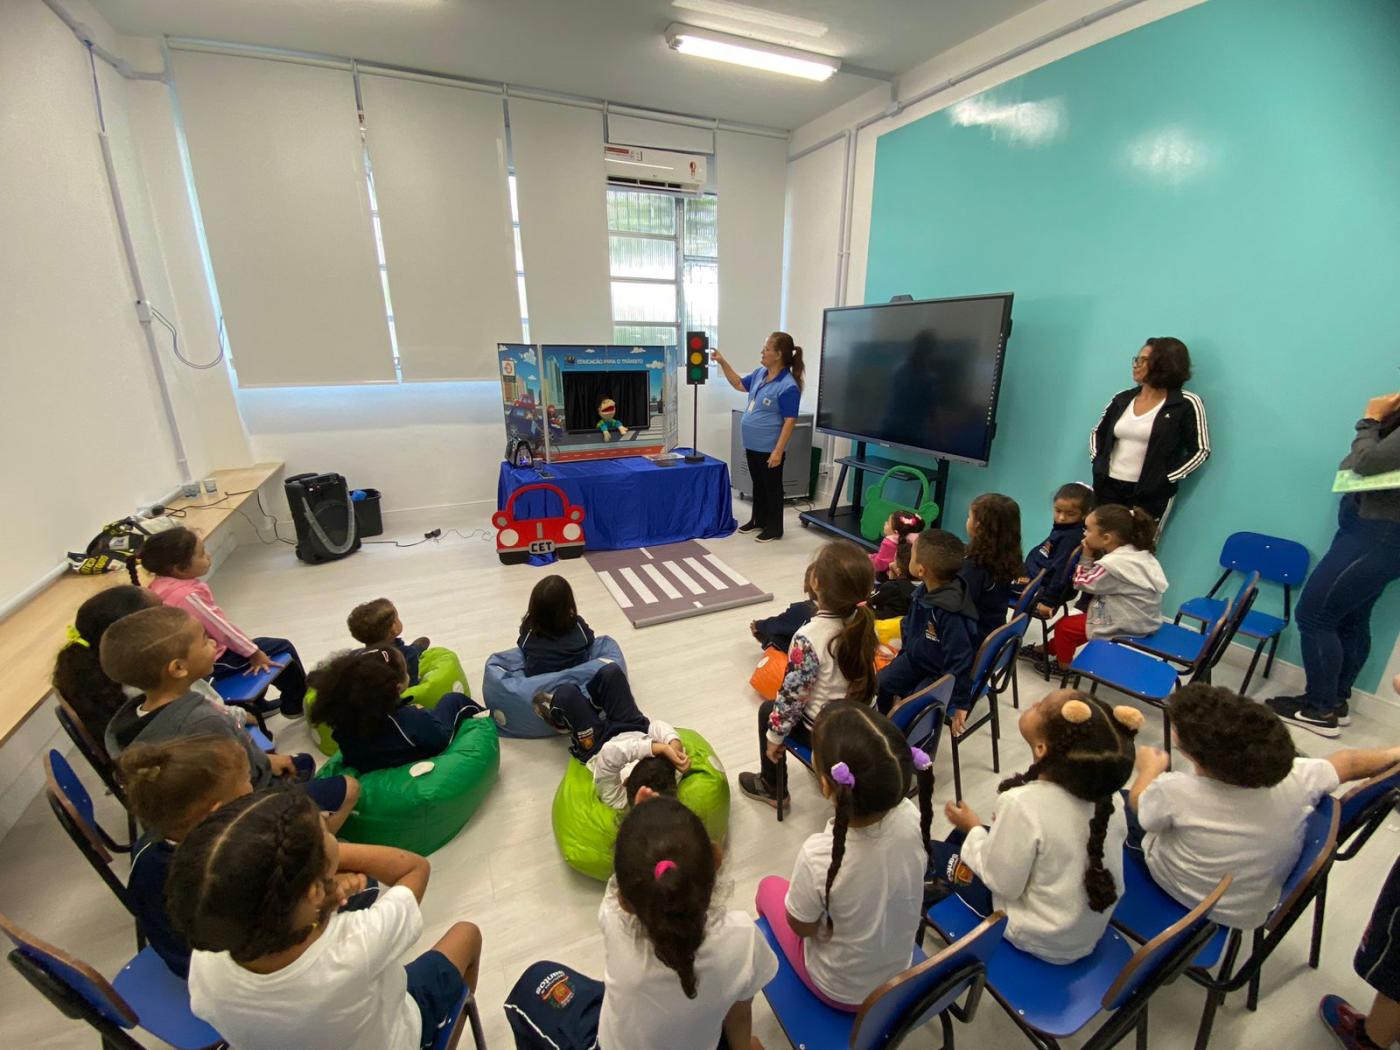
1131, 434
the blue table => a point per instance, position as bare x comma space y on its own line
631, 502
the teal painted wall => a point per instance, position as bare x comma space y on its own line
1229, 175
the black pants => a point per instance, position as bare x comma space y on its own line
607, 710
291, 683
767, 493
777, 631
766, 766
1130, 494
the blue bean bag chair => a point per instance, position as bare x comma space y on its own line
585, 827
422, 813
507, 691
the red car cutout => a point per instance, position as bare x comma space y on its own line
516, 539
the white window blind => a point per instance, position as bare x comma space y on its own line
659, 134
279, 170
558, 152
752, 173
439, 159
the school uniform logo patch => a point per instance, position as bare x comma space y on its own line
931, 631
555, 990
585, 739
958, 873
1045, 548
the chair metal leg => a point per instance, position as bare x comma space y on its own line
1215, 996
1269, 663
1167, 732
1045, 645
474, 1016
957, 770
1252, 999
781, 786
1142, 1029
1319, 913
996, 732
1253, 662
1015, 690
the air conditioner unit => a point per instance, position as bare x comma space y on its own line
655, 169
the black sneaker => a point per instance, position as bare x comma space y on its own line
1343, 713
750, 526
1031, 653
768, 537
753, 785
1323, 723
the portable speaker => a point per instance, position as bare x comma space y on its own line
324, 517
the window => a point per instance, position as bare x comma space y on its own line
663, 260
383, 266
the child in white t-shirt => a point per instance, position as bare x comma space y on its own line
1053, 857
255, 888
1242, 812
677, 973
848, 918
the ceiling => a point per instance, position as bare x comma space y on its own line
610, 49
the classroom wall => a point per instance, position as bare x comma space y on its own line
1225, 175
79, 388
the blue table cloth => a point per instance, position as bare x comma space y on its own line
631, 502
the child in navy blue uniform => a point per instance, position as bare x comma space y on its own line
939, 632
993, 558
376, 625
777, 631
1055, 554
359, 694
892, 596
553, 636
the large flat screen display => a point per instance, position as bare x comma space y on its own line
920, 375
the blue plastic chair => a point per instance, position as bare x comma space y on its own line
1364, 809
1183, 645
450, 1034
1050, 1002
1145, 677
928, 989
1027, 599
1275, 559
145, 995
249, 691
1145, 911
992, 671
72, 807
96, 754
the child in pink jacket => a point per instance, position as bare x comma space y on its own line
902, 525
177, 559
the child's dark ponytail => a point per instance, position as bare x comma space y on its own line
1088, 752
666, 872
870, 767
77, 672
1144, 531
844, 579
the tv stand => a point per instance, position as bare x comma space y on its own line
845, 521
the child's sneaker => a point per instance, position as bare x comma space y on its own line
1347, 1026
753, 785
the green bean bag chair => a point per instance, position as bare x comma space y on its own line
585, 827
423, 813
439, 673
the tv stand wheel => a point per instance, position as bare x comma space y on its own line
804, 523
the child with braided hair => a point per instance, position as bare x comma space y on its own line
1034, 863
255, 890
679, 972
848, 918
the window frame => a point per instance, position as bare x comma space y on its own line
677, 238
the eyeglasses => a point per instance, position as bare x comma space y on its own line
1141, 359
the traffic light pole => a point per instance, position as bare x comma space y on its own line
695, 454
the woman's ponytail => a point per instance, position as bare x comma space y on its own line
791, 354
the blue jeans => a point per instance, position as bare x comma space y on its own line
1334, 611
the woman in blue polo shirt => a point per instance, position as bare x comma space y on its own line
774, 391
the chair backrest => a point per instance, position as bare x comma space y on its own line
905, 1002
88, 987
1274, 558
1160, 959
997, 655
89, 747
1232, 618
65, 788
1365, 806
1029, 594
1319, 847
1214, 643
920, 715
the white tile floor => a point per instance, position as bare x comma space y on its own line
503, 871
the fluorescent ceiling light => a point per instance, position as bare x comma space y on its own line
706, 43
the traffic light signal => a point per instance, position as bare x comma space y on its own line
697, 358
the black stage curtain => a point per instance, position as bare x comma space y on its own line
583, 391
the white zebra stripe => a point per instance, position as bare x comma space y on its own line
686, 581
734, 576
643, 591
666, 586
705, 574
617, 592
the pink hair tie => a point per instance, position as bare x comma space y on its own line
841, 773
662, 867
